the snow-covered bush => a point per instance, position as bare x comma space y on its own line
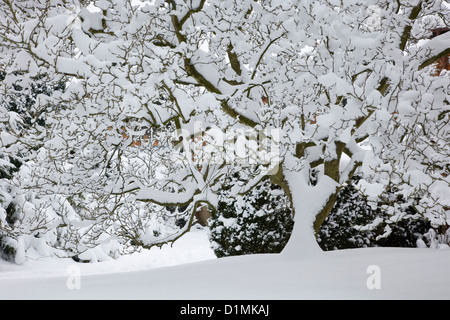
435, 239
260, 221
356, 222
339, 229
26, 221
34, 223
8, 166
23, 219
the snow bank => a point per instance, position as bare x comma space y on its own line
192, 247
346, 274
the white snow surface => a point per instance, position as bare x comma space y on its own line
189, 270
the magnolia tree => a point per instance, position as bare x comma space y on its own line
272, 87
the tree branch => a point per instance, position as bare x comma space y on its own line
191, 12
435, 58
234, 61
407, 31
236, 115
263, 54
201, 80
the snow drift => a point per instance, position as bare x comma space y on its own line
166, 275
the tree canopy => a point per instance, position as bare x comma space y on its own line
337, 86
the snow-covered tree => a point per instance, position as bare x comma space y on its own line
339, 86
261, 222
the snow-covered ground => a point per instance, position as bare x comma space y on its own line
189, 270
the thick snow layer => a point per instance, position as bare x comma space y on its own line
166, 274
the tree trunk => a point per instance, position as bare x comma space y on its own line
311, 205
203, 215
